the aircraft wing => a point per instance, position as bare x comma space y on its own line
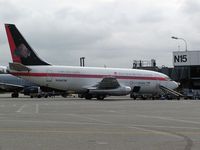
106, 84
10, 87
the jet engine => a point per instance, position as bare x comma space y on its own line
32, 90
120, 91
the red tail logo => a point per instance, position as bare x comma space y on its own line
12, 45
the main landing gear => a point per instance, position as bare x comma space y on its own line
90, 96
15, 95
100, 97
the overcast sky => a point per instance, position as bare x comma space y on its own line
106, 32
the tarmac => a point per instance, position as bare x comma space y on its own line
116, 123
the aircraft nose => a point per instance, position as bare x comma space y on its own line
175, 85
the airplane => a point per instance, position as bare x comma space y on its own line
16, 85
88, 82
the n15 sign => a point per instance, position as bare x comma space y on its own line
180, 59
189, 58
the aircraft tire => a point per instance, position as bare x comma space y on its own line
12, 95
15, 95
64, 95
88, 96
133, 96
143, 98
100, 97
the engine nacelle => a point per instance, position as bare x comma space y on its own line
120, 91
32, 90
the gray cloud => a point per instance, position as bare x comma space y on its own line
106, 32
191, 7
9, 12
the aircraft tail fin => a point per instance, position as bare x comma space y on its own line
20, 50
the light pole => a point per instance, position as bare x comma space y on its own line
82, 61
177, 38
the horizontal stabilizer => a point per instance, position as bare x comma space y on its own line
18, 67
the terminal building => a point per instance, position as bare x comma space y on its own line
186, 70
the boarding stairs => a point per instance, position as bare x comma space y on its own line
170, 91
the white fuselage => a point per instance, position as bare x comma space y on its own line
77, 79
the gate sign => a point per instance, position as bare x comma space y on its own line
189, 58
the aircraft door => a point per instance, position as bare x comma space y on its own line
49, 77
157, 85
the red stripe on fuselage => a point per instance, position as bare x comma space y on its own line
31, 74
12, 45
